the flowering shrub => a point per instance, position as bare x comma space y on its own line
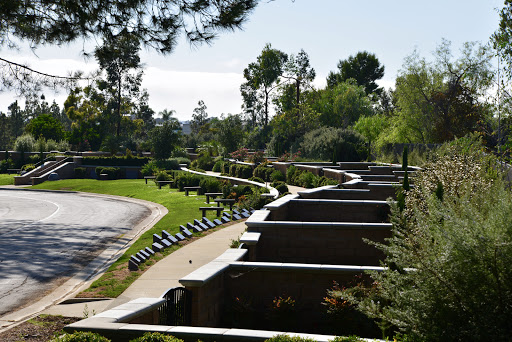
240, 154
287, 156
257, 157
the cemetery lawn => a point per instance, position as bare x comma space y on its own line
182, 209
6, 179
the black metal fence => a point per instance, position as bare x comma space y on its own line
177, 307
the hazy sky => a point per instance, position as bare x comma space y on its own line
328, 30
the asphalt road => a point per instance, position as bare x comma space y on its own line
47, 236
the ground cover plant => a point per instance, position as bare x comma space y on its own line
182, 209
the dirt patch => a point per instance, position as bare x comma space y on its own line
42, 328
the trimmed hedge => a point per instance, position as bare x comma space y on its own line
115, 161
112, 172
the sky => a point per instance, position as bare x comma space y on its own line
327, 30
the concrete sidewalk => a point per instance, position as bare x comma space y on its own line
163, 275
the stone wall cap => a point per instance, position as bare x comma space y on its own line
204, 274
250, 238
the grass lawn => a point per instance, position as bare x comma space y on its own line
6, 179
182, 209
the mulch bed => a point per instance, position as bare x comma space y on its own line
42, 328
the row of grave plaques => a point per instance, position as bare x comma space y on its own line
166, 240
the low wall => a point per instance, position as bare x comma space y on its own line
322, 210
379, 192
316, 242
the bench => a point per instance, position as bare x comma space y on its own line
213, 195
148, 177
17, 171
217, 209
192, 188
229, 201
162, 183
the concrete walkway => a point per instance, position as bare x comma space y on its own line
163, 275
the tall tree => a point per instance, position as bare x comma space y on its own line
364, 67
199, 117
299, 71
437, 101
119, 58
262, 78
155, 24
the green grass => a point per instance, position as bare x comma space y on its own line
182, 209
6, 179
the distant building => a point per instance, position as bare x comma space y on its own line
186, 127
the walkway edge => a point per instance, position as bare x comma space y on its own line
95, 268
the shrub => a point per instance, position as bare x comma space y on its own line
210, 184
257, 157
112, 172
243, 171
253, 199
280, 186
81, 336
334, 144
186, 179
240, 154
156, 337
217, 167
204, 162
162, 176
306, 179
277, 176
149, 169
456, 232
6, 164
80, 172
28, 167
291, 174
232, 170
25, 143
256, 179
263, 171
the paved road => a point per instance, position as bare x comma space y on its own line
45, 236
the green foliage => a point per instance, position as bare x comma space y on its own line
210, 184
256, 179
46, 126
334, 144
164, 139
112, 172
81, 336
80, 172
277, 176
156, 337
6, 164
364, 68
257, 157
218, 166
449, 255
250, 197
288, 338
25, 143
240, 171
162, 176
204, 162
230, 132
346, 339
184, 179
28, 167
280, 186
263, 172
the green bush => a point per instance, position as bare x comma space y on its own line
291, 174
25, 143
28, 167
34, 159
112, 172
253, 199
81, 336
256, 179
280, 186
156, 337
149, 169
334, 144
455, 232
218, 166
186, 179
347, 339
210, 184
162, 176
277, 176
243, 171
287, 338
6, 164
263, 171
80, 172
204, 162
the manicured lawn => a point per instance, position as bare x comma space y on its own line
182, 209
6, 179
